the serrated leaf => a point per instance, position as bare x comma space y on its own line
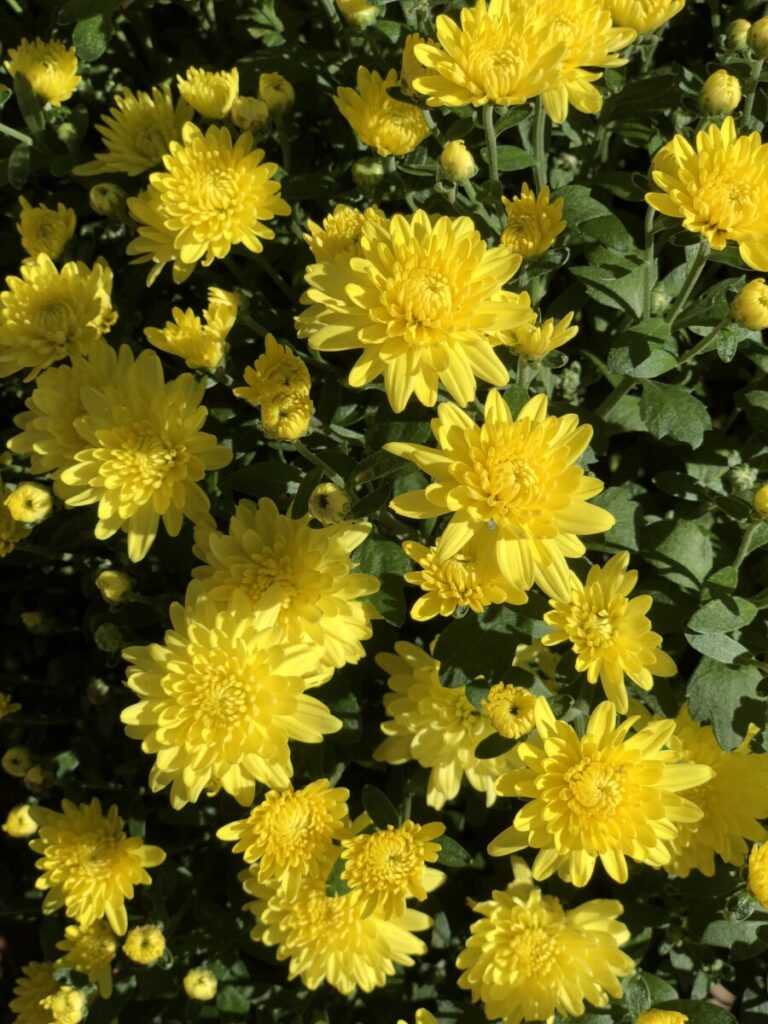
727, 696
510, 158
722, 616
379, 807
669, 411
718, 646
740, 938
91, 37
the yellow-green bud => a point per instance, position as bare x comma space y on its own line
277, 92
368, 174
329, 504
457, 162
29, 503
760, 502
358, 12
750, 307
109, 638
114, 586
16, 761
757, 38
201, 984
249, 114
737, 32
720, 94
108, 200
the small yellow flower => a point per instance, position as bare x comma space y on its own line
49, 67
36, 984
737, 33
757, 38
338, 238
457, 162
19, 823
66, 1005
760, 502
720, 93
221, 312
329, 504
410, 66
11, 532
644, 15
43, 230
534, 341
16, 761
389, 126
533, 222
510, 710
90, 951
108, 200
249, 114
188, 337
200, 984
113, 585
358, 12
210, 93
277, 92
29, 503
7, 706
275, 372
286, 416
758, 873
750, 307
661, 1017
144, 944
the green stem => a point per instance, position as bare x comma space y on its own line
539, 151
248, 320
615, 396
750, 89
698, 263
471, 191
523, 375
432, 125
649, 53
331, 473
271, 273
703, 345
333, 14
742, 552
648, 269
13, 134
490, 141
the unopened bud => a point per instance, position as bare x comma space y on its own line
457, 162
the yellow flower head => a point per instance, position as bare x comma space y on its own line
275, 372
296, 578
90, 950
510, 710
661, 1017
456, 162
597, 796
609, 632
288, 835
286, 416
219, 701
47, 314
534, 341
44, 230
643, 15
760, 502
213, 194
35, 984
720, 93
249, 114
221, 312
66, 1005
750, 307
19, 823
389, 126
533, 222
49, 67
719, 189
528, 957
188, 337
200, 984
113, 585
737, 33
11, 532
329, 504
758, 873
385, 868
358, 12
29, 503
512, 485
410, 66
144, 944
137, 132
88, 864
425, 303
338, 238
277, 92
7, 706
210, 93
468, 579
436, 726
16, 761
757, 38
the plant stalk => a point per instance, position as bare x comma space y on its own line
490, 141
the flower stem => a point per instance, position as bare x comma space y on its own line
701, 346
615, 396
333, 14
539, 151
750, 90
490, 141
694, 273
432, 125
648, 270
13, 134
331, 473
271, 273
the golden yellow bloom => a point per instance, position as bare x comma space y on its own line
389, 126
49, 66
277, 92
11, 532
597, 796
661, 1017
468, 579
213, 194
143, 453
295, 578
457, 162
19, 823
16, 761
533, 222
219, 701
108, 200
513, 486
7, 706
510, 710
425, 303
286, 416
643, 15
750, 307
66, 1006
737, 33
249, 114
720, 93
36, 984
275, 372
383, 869
144, 944
200, 984
47, 315
137, 132
43, 230
29, 503
410, 66
760, 501
535, 341
90, 950
210, 93
358, 12
329, 504
758, 873
287, 836
757, 38
609, 632
719, 189
188, 337
113, 585
89, 866
221, 312
338, 238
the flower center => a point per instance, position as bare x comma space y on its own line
151, 142
459, 575
594, 784
142, 464
513, 482
534, 950
217, 190
54, 319
593, 627
494, 61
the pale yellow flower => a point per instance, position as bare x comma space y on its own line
210, 93
389, 126
44, 230
49, 66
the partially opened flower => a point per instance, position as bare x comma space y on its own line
533, 222
510, 710
338, 237
643, 15
389, 126
49, 66
90, 950
35, 984
210, 93
44, 230
535, 341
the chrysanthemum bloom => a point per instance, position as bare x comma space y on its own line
456, 162
210, 93
501, 54
137, 132
296, 578
249, 114
528, 957
36, 983
113, 585
435, 726
661, 1017
719, 189
221, 312
720, 93
19, 823
389, 126
410, 67
29, 503
643, 15
358, 12
750, 307
286, 416
7, 706
44, 230
511, 484
277, 92
287, 836
90, 951
329, 504
534, 341
200, 984
533, 222
597, 796
67, 1005
383, 869
213, 194
329, 938
609, 632
89, 866
276, 371
338, 237
143, 453
219, 701
49, 67
144, 944
425, 303
201, 345
47, 315
732, 801
758, 873
510, 710
468, 579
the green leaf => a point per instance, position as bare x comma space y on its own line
493, 746
723, 616
514, 116
698, 1012
452, 854
335, 885
481, 645
233, 1000
718, 646
390, 29
589, 220
300, 503
668, 411
511, 158
91, 37
619, 502
637, 996
644, 351
740, 938
727, 697
29, 105
618, 284
379, 807
387, 561
758, 538
18, 166
683, 546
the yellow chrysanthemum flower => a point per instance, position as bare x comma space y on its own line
502, 54
643, 15
67, 1005
35, 984
143, 453
213, 194
597, 796
719, 189
468, 579
7, 706
389, 126
425, 303
277, 93
210, 93
113, 585
144, 944
338, 237
510, 710
383, 869
528, 957
44, 230
410, 66
29, 503
286, 416
609, 632
435, 726
19, 823
661, 1017
295, 578
533, 222
49, 66
200, 984
221, 312
249, 114
47, 315
535, 341
287, 836
89, 866
750, 307
16, 761
512, 485
456, 162
720, 93
137, 132
202, 345
758, 873
219, 701
90, 950
275, 372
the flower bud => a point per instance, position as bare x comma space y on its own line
457, 162
286, 415
37, 779
358, 12
720, 94
36, 622
750, 307
329, 504
114, 586
757, 38
743, 477
97, 691
760, 502
145, 945
737, 32
200, 983
109, 638
108, 200
19, 823
16, 761
249, 114
757, 881
29, 503
277, 92
368, 174
66, 132
66, 1005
